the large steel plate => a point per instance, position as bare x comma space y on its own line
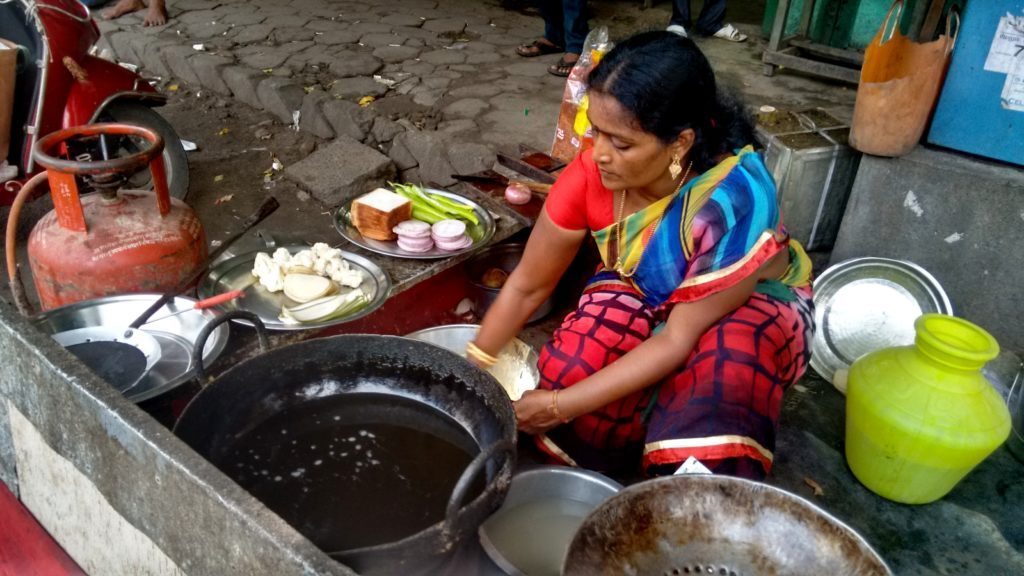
236, 274
176, 334
480, 233
866, 304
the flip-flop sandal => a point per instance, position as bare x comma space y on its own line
537, 48
562, 68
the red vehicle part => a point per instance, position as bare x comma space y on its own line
113, 242
100, 82
74, 87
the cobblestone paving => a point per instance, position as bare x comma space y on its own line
449, 89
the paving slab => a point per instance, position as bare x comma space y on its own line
311, 116
356, 169
347, 118
209, 70
243, 81
350, 63
281, 97
356, 87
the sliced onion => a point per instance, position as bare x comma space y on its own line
307, 287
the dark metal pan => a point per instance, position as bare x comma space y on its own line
704, 524
280, 423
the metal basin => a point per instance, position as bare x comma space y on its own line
531, 532
516, 369
503, 256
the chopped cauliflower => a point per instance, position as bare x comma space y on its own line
269, 271
303, 258
282, 256
321, 258
339, 271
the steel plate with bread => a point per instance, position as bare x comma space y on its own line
369, 221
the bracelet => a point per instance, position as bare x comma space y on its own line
474, 352
553, 408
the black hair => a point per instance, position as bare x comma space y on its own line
665, 81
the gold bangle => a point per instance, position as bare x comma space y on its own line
476, 351
553, 408
473, 351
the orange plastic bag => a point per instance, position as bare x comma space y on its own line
899, 86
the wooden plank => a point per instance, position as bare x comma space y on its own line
850, 56
525, 169
824, 69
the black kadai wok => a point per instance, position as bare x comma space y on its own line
385, 452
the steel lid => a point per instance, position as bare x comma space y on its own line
867, 304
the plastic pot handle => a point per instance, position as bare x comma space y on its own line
204, 335
953, 13
462, 487
897, 6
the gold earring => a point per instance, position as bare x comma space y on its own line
674, 168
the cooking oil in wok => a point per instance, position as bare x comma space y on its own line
354, 470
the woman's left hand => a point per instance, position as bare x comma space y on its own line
533, 412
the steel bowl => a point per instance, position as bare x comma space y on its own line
516, 369
866, 304
530, 533
503, 256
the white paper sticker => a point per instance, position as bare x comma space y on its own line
692, 466
1007, 45
1012, 97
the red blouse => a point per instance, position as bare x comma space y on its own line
578, 200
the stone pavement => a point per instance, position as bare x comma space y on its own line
449, 89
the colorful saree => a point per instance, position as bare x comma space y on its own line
722, 405
718, 229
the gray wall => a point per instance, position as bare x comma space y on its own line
961, 219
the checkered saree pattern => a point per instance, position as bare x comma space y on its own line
721, 407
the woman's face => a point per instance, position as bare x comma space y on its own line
628, 157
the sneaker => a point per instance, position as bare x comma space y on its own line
677, 29
730, 33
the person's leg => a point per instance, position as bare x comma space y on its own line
554, 23
574, 17
680, 13
711, 18
723, 407
157, 13
124, 7
610, 321
711, 22
553, 40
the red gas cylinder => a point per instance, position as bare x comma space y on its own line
112, 241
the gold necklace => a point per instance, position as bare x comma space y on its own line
620, 216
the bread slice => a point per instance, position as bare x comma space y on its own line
376, 213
